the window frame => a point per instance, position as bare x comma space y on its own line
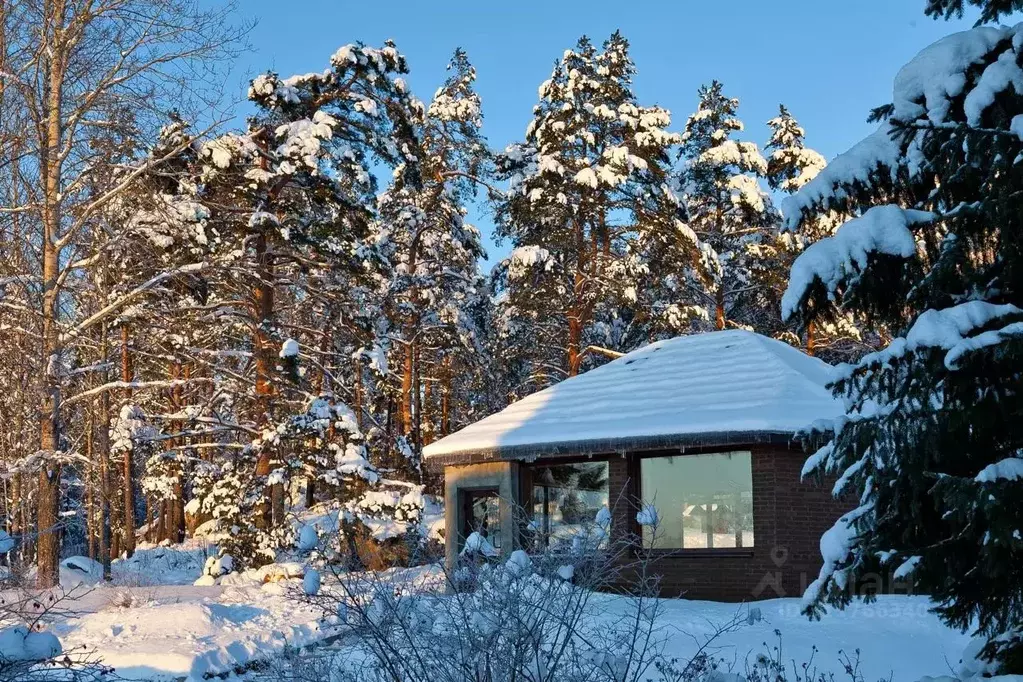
465, 502
635, 474
526, 478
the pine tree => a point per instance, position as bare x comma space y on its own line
730, 213
434, 255
592, 175
931, 443
790, 165
302, 180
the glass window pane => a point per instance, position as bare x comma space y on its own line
484, 516
702, 501
568, 500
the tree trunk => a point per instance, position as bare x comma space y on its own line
445, 398
270, 510
426, 420
127, 463
103, 448
406, 389
719, 312
16, 524
417, 421
811, 340
182, 467
99, 430
91, 483
574, 340
48, 495
47, 515
310, 492
357, 389
575, 313
150, 519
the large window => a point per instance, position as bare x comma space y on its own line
570, 503
702, 501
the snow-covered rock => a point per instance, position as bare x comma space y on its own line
80, 570
311, 582
308, 538
289, 348
477, 544
6, 542
519, 564
19, 643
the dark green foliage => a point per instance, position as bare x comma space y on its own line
934, 435
990, 10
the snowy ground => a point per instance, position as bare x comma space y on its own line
180, 631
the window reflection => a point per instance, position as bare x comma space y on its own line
483, 517
703, 501
570, 505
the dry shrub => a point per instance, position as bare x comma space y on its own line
379, 555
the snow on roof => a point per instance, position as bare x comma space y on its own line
722, 386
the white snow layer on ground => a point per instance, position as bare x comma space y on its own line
173, 632
897, 637
728, 381
189, 632
167, 632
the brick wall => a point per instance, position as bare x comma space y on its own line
789, 517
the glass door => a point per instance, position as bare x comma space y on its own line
482, 514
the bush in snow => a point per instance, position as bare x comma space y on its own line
380, 529
525, 617
932, 442
30, 653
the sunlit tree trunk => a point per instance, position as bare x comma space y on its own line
127, 462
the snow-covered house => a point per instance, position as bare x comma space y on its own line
696, 431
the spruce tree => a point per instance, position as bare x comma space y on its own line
990, 10
297, 192
931, 445
730, 213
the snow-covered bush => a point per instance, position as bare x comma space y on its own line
402, 505
29, 652
526, 616
384, 527
520, 620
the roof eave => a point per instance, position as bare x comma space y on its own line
610, 446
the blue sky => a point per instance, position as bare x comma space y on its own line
829, 61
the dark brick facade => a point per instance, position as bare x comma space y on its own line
789, 517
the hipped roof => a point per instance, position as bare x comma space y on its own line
718, 388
